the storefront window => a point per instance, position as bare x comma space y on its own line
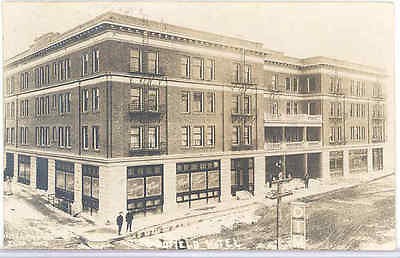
90, 188
197, 181
377, 158
24, 169
65, 180
145, 188
336, 163
358, 160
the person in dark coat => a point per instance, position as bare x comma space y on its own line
306, 179
129, 219
270, 178
120, 221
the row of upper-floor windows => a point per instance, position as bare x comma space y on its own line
198, 136
46, 104
357, 133
293, 108
358, 110
197, 101
58, 136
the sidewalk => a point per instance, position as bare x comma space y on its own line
158, 224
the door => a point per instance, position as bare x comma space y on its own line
242, 175
9, 164
41, 173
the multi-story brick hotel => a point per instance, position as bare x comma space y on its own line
122, 113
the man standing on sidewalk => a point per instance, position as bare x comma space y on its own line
306, 179
120, 221
129, 219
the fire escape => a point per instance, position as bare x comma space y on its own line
149, 110
246, 113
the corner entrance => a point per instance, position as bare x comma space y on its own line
242, 175
41, 173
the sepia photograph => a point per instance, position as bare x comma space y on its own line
198, 126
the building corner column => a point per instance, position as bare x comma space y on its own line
325, 173
112, 192
169, 187
346, 165
51, 176
226, 179
77, 206
370, 160
32, 172
259, 177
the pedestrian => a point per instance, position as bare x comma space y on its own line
270, 178
129, 219
306, 179
120, 221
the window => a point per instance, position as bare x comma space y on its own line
275, 110
153, 139
136, 98
247, 135
198, 136
85, 100
185, 136
84, 64
64, 180
153, 99
198, 68
287, 83
95, 138
237, 70
67, 102
136, 137
95, 60
274, 81
67, 69
236, 135
54, 139
90, 187
144, 188
23, 135
197, 180
67, 136
295, 84
185, 67
54, 102
198, 101
61, 137
236, 104
95, 99
151, 62
248, 71
210, 69
24, 80
134, 64
247, 104
211, 135
210, 102
24, 168
85, 138
61, 103
185, 102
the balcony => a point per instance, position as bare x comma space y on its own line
147, 150
336, 117
377, 140
378, 116
146, 112
243, 147
292, 119
243, 116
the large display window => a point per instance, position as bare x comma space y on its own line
377, 158
336, 163
90, 188
24, 169
358, 160
198, 181
145, 188
65, 180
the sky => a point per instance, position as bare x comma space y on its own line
358, 32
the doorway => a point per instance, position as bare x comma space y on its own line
242, 175
42, 173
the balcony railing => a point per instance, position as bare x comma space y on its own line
146, 111
242, 147
378, 116
244, 115
291, 145
147, 150
299, 118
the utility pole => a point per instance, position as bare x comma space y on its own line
278, 195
